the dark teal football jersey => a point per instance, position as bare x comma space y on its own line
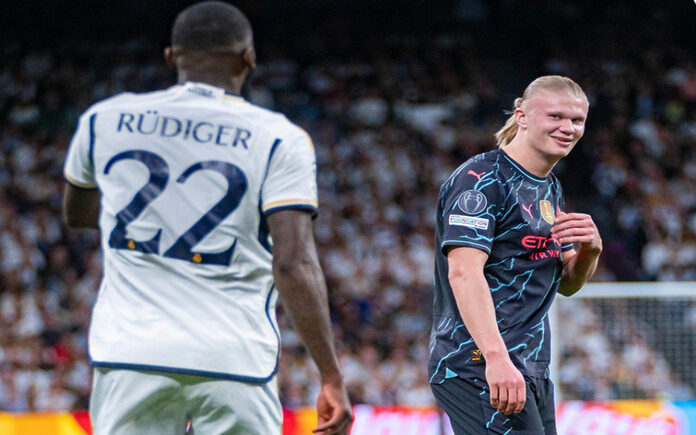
491, 203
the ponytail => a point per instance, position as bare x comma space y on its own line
505, 135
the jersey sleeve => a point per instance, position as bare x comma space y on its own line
470, 205
291, 179
79, 164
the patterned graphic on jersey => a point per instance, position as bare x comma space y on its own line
522, 271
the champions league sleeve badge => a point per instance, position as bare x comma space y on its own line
472, 202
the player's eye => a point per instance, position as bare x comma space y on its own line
555, 116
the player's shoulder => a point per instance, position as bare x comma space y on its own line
554, 181
553, 178
480, 172
485, 164
488, 160
267, 119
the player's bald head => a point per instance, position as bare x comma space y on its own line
211, 24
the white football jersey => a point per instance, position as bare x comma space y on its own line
187, 176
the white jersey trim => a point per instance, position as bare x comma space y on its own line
78, 184
300, 203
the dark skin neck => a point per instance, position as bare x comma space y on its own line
221, 69
232, 85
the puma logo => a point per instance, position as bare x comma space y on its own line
528, 209
476, 175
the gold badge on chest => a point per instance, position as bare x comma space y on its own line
547, 211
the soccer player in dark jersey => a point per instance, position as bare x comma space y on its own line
505, 246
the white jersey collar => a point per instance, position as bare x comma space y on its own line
204, 90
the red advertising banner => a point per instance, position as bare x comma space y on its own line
398, 420
573, 418
640, 417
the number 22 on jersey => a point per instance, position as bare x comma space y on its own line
158, 180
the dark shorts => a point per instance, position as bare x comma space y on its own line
467, 403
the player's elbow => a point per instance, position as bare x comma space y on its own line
294, 267
78, 219
569, 289
461, 274
80, 207
72, 219
455, 275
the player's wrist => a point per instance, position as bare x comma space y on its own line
496, 355
593, 250
333, 377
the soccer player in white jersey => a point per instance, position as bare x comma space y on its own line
186, 185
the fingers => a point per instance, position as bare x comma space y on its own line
335, 426
338, 425
575, 235
588, 236
512, 399
494, 395
572, 220
508, 400
503, 399
575, 228
564, 217
334, 412
521, 399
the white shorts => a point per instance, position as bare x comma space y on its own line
127, 402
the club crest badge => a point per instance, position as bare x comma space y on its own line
472, 202
547, 211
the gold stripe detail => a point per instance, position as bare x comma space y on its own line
233, 98
289, 202
78, 183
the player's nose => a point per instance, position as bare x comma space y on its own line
566, 127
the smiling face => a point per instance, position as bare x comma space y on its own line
551, 122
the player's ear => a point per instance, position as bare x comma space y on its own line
169, 58
249, 57
521, 118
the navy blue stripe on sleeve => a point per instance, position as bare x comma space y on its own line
92, 119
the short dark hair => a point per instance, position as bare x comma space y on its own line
210, 24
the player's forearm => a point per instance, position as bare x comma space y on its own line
577, 270
303, 293
478, 313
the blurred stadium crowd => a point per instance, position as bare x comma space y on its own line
389, 126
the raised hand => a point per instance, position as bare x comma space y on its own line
577, 228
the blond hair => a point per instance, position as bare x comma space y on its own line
552, 83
